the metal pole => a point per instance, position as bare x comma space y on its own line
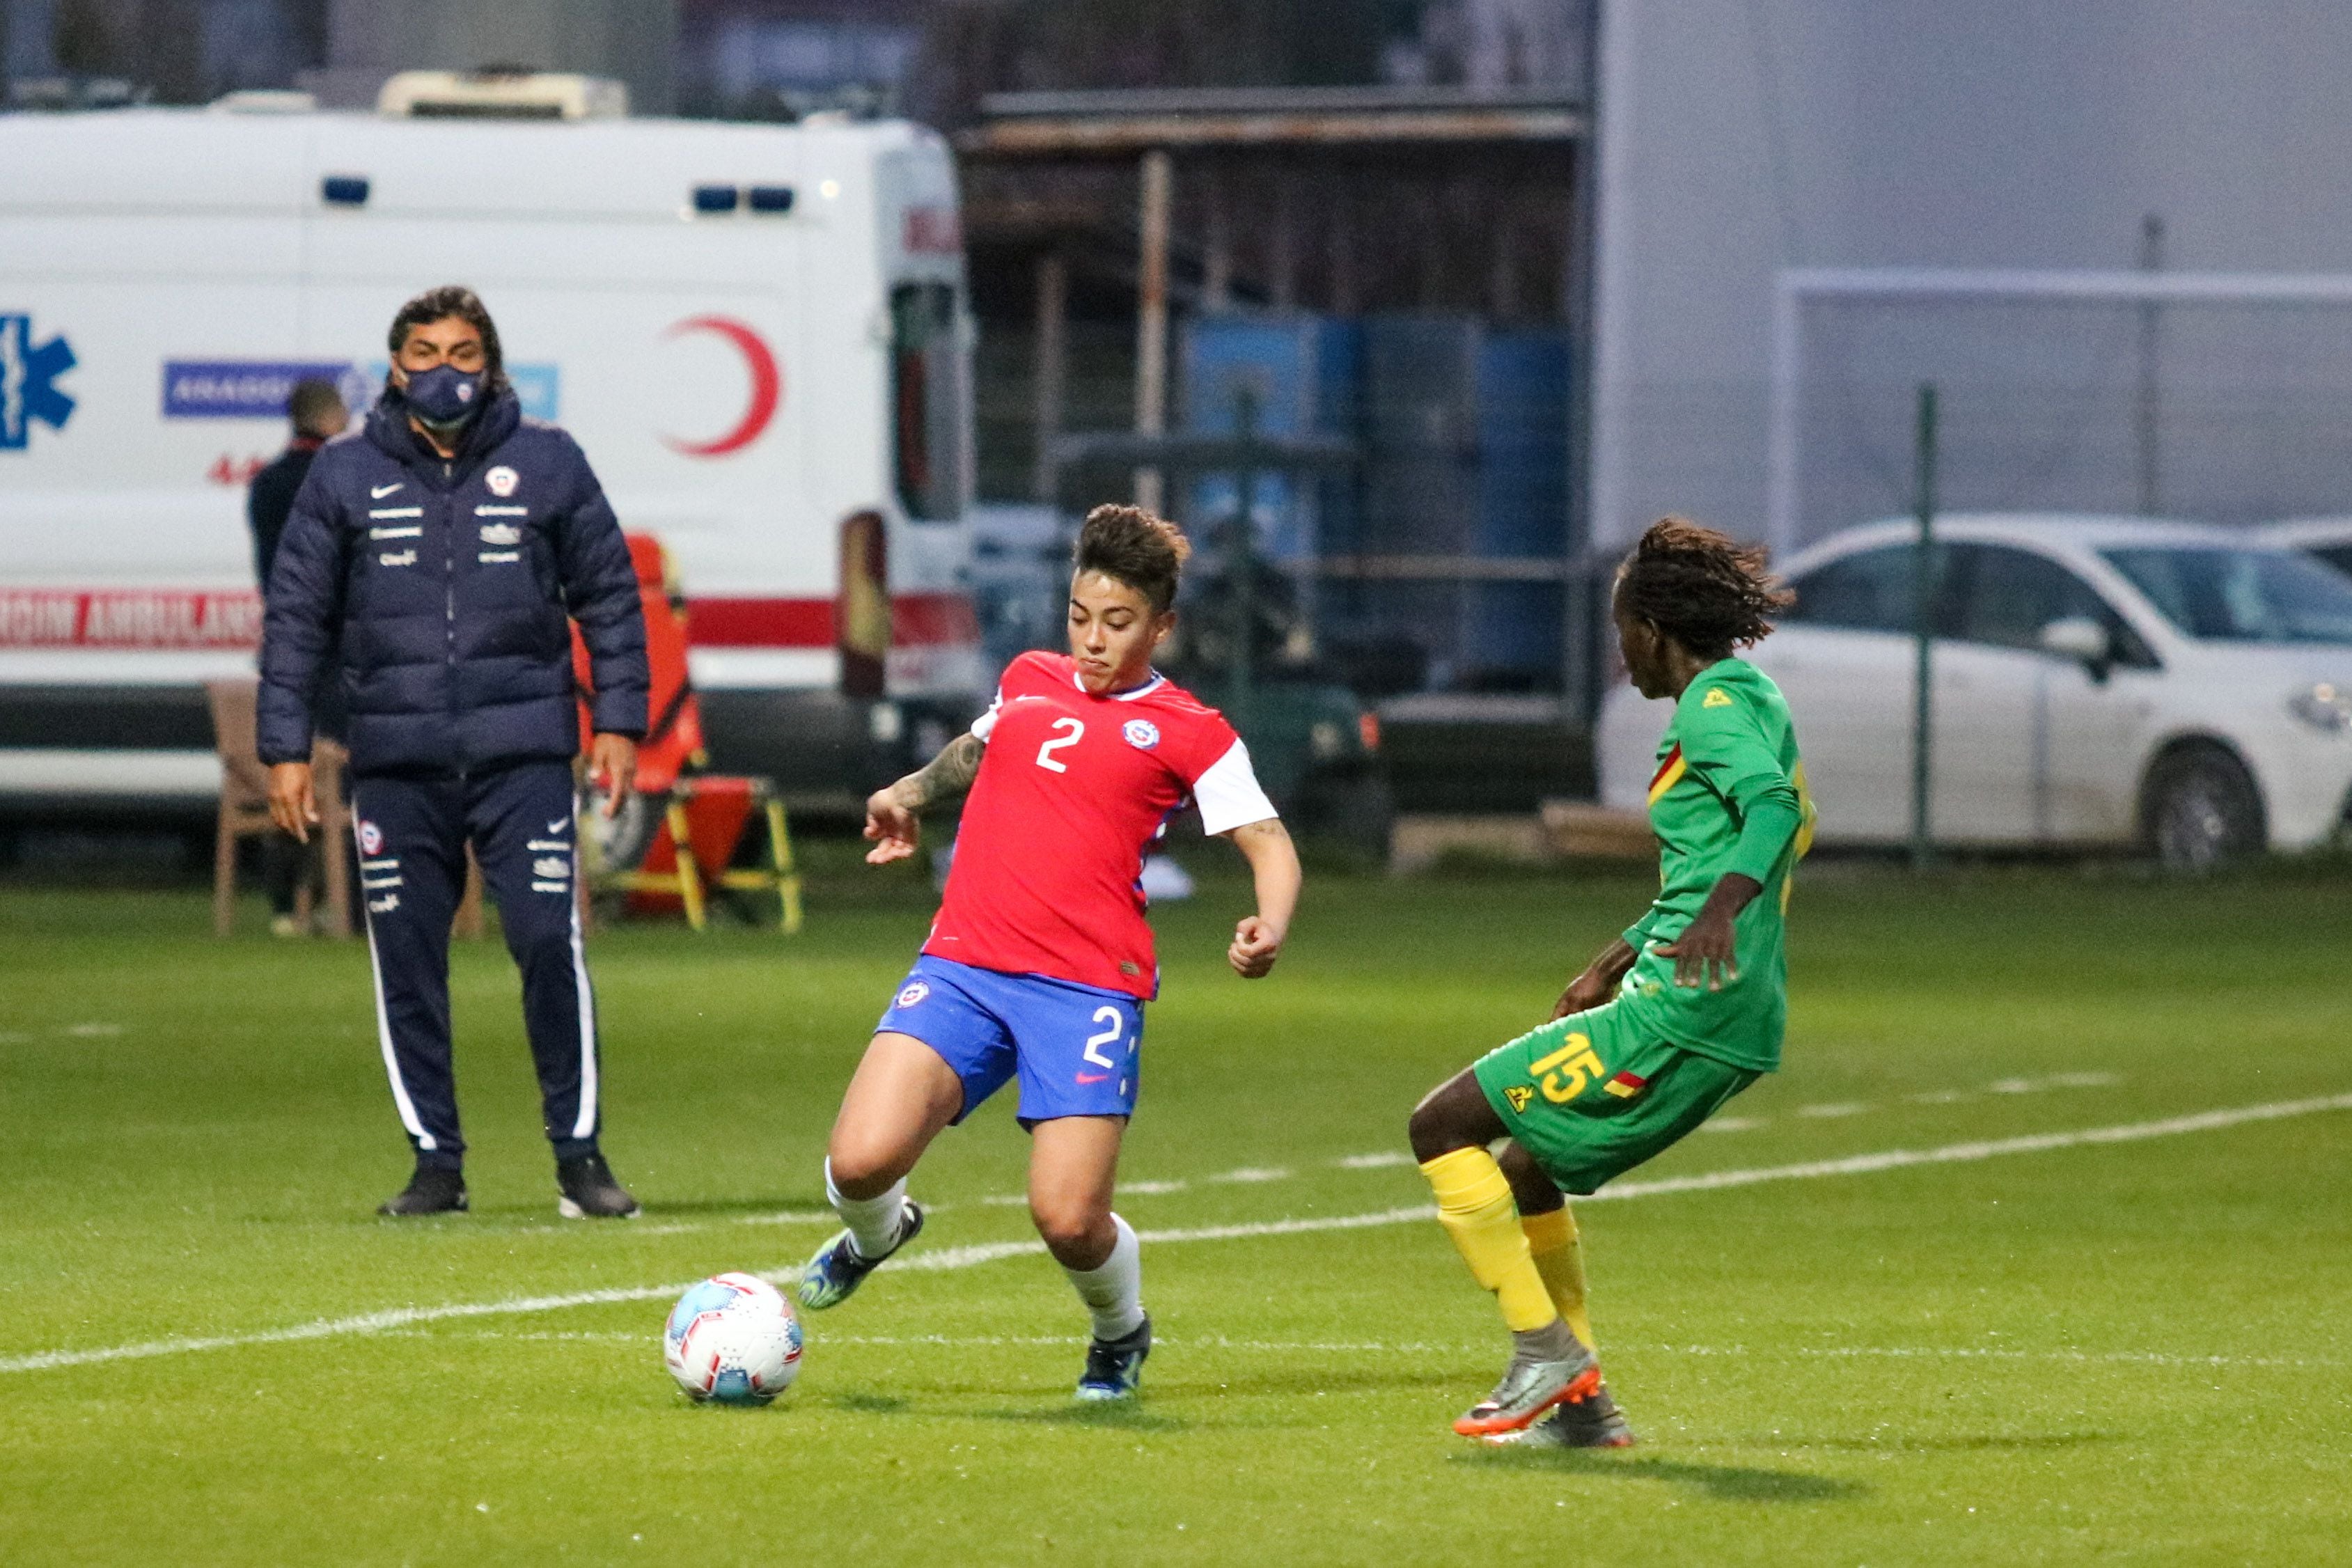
2149, 404
1217, 246
1152, 318
1923, 631
1780, 457
1052, 366
1583, 617
1282, 242
1242, 560
1339, 244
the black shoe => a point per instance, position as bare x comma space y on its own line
585, 1189
434, 1189
1115, 1367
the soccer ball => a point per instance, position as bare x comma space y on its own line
733, 1339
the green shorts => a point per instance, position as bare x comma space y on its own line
1594, 1095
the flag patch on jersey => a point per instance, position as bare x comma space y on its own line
1670, 774
1716, 697
1626, 1085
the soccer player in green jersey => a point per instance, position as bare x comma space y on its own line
1669, 1022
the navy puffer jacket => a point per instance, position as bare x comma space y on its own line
450, 583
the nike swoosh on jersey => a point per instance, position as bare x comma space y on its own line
377, 492
1092, 1076
559, 825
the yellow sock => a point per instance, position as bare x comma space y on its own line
1474, 1204
1558, 1257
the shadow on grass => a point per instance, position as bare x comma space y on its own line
940, 1402
1118, 1416
1306, 1383
869, 1403
1983, 1442
738, 1208
1720, 1483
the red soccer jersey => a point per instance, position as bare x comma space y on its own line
1047, 872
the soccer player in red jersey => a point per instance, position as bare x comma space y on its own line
1040, 960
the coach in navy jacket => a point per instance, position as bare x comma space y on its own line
446, 548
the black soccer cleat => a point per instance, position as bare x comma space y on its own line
585, 1189
1115, 1367
434, 1189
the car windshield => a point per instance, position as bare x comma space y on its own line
2242, 595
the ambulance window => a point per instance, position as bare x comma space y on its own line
927, 400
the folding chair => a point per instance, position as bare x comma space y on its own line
693, 853
245, 808
702, 817
244, 797
329, 761
780, 876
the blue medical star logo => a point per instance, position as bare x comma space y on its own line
28, 377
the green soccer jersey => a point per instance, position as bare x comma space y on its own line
1728, 795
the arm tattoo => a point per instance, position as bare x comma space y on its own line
946, 776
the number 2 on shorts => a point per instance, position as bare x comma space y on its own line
1045, 758
1102, 1016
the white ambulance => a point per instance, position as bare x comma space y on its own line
758, 333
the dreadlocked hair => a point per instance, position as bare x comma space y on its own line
1706, 591
1131, 545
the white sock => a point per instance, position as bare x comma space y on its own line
1113, 1291
873, 1223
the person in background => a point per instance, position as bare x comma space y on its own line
317, 409
432, 569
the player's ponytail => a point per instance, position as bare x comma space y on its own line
1707, 591
1131, 545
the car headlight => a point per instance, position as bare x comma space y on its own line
2323, 706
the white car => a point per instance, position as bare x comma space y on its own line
2099, 682
2329, 538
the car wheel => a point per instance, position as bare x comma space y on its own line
2203, 810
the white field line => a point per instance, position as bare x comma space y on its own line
1989, 1148
1377, 1160
968, 1257
328, 1328
1931, 1097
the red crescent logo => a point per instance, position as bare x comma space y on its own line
767, 387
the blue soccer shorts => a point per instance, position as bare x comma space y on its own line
1074, 1047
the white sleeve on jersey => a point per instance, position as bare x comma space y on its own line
987, 721
1229, 795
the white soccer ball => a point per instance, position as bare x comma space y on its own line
733, 1339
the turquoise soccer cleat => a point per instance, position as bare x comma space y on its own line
828, 1279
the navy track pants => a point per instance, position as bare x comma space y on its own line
412, 837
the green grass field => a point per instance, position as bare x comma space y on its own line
2125, 1351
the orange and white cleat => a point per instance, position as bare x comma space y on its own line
1528, 1389
1592, 1422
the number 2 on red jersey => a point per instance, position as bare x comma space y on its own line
1075, 728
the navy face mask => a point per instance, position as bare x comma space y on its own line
444, 396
